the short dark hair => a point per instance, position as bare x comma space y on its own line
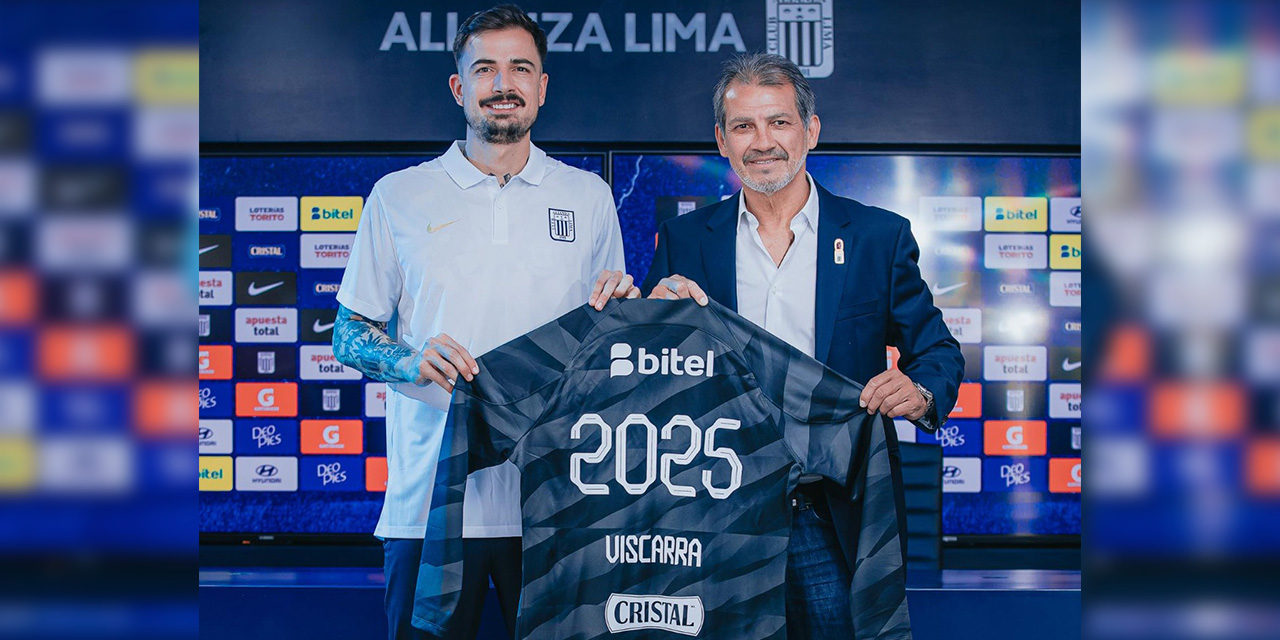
503, 16
766, 70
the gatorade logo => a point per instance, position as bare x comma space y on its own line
214, 362
266, 400
1015, 437
1064, 475
332, 437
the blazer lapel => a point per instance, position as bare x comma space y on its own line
833, 218
719, 254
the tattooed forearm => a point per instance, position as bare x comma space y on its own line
364, 345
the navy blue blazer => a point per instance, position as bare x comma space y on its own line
876, 298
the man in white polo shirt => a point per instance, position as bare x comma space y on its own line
452, 258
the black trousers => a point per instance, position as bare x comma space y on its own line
482, 558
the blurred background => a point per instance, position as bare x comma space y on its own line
1180, 170
99, 128
1181, 165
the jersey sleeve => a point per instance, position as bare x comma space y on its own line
830, 435
487, 418
372, 282
607, 252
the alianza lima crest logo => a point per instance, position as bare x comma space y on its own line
802, 31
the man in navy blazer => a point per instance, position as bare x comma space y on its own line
833, 277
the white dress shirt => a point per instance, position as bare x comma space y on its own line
780, 298
442, 248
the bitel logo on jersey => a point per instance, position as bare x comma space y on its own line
667, 362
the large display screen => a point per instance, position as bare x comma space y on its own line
1000, 249
292, 442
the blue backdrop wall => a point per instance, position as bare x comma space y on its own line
1000, 72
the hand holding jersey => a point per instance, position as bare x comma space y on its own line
675, 287
612, 284
442, 360
895, 395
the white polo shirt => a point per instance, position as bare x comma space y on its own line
441, 248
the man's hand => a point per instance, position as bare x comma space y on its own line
895, 395
612, 284
675, 287
442, 360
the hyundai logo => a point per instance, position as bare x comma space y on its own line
950, 471
1075, 211
206, 433
267, 470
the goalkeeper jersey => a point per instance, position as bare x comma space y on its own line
658, 443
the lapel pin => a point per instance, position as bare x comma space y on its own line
839, 250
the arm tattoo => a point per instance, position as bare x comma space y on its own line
362, 344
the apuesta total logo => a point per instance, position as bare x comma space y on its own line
667, 362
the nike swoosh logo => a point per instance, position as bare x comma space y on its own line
942, 291
1068, 365
204, 250
321, 328
254, 289
431, 229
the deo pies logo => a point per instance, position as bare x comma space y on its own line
683, 614
667, 362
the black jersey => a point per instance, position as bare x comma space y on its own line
658, 443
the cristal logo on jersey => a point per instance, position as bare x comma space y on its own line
667, 362
678, 614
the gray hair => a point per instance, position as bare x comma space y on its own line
768, 70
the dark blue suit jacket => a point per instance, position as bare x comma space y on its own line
874, 299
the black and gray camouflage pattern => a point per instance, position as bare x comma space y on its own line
796, 417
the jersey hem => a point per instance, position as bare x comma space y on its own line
510, 531
412, 532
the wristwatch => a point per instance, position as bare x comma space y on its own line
928, 406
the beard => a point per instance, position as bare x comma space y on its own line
493, 130
770, 187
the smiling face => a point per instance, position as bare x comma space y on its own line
763, 136
500, 85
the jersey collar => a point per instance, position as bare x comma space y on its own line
466, 175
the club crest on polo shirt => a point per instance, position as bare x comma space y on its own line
561, 225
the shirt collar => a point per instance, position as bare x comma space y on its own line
466, 175
808, 213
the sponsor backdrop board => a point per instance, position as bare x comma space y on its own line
291, 441
999, 249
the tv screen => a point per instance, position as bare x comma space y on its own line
282, 226
999, 244
999, 239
